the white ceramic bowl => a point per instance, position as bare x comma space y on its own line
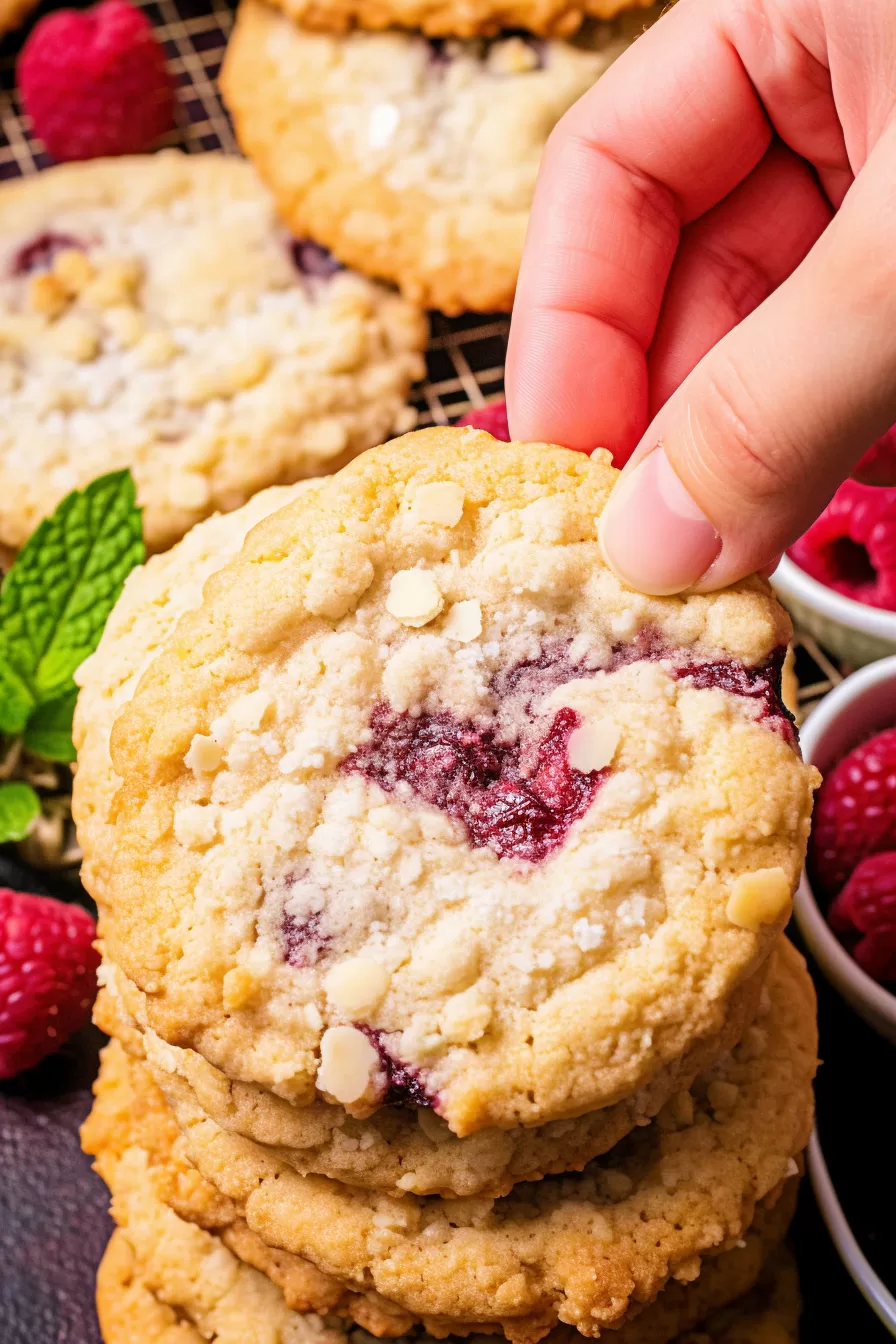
853, 632
861, 705
869, 1283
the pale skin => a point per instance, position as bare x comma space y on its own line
708, 287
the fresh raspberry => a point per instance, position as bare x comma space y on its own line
855, 812
867, 905
878, 466
95, 82
852, 546
47, 976
491, 418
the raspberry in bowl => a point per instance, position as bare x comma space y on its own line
846, 903
838, 580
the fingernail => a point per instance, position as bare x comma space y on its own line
653, 535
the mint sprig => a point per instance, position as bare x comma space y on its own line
54, 603
19, 809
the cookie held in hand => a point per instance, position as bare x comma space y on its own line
422, 805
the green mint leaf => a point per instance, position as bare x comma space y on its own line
16, 700
49, 730
62, 586
19, 809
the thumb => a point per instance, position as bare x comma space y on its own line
748, 450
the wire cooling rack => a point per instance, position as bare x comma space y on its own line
465, 359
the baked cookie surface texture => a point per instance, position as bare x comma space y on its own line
421, 805
413, 160
154, 314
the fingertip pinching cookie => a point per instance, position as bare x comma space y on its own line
422, 805
154, 314
413, 160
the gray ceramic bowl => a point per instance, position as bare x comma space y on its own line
861, 705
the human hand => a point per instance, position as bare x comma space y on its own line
708, 287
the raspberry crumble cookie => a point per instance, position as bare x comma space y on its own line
587, 1250
423, 806
412, 160
155, 315
398, 1148
447, 18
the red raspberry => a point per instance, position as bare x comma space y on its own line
852, 546
878, 466
491, 418
855, 812
95, 82
47, 976
867, 905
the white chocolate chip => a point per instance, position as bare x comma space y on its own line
464, 621
116, 282
156, 349
759, 898
247, 712
592, 745
204, 756
414, 597
465, 1017
125, 324
514, 56
440, 502
357, 985
73, 270
74, 338
348, 1062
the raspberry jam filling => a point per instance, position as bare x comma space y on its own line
519, 798
762, 684
303, 941
39, 253
314, 261
404, 1084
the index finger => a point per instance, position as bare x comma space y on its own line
668, 131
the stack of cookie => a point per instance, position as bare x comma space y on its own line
442, 881
412, 155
